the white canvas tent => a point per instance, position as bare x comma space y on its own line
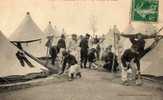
50, 31
67, 37
108, 39
63, 31
9, 64
129, 30
28, 30
152, 63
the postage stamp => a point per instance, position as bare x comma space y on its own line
145, 10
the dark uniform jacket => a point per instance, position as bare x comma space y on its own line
98, 48
139, 44
70, 60
61, 43
96, 40
91, 57
54, 51
84, 44
111, 62
129, 55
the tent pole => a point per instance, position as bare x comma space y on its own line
114, 53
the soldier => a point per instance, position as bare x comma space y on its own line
73, 46
133, 55
138, 42
110, 60
92, 58
84, 50
98, 51
48, 44
96, 40
70, 62
73, 42
53, 53
61, 42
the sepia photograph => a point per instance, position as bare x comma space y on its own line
81, 49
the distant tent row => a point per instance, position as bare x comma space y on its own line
151, 64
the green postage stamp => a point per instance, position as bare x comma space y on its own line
145, 10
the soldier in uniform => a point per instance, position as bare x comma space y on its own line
53, 53
70, 62
110, 60
73, 46
84, 50
61, 42
92, 58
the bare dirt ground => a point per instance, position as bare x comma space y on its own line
94, 85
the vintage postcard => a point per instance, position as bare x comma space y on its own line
81, 49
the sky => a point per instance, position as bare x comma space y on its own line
72, 15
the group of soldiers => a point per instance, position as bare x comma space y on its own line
85, 51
